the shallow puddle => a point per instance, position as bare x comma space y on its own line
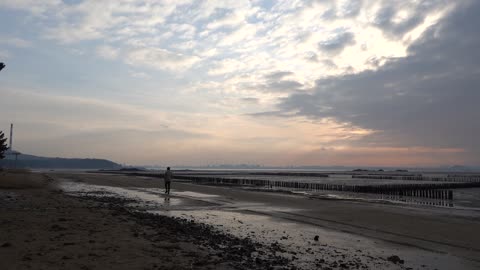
151, 198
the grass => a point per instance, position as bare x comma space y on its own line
21, 179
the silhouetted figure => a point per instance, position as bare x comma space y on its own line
168, 180
2, 65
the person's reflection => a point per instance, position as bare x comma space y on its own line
166, 201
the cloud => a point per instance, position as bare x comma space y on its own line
207, 9
239, 35
426, 99
65, 33
278, 82
160, 59
227, 66
246, 56
16, 42
382, 156
76, 51
278, 75
336, 44
5, 54
311, 57
139, 75
230, 19
250, 100
108, 19
348, 8
72, 112
283, 86
263, 39
85, 127
396, 18
183, 31
107, 52
34, 6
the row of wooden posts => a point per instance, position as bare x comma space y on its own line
419, 178
442, 191
414, 200
434, 191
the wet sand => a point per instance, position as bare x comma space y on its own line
304, 232
43, 228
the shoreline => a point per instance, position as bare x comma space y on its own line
429, 193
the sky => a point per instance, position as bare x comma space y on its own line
283, 83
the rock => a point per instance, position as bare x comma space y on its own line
395, 259
316, 238
56, 227
26, 258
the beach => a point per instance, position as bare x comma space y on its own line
77, 220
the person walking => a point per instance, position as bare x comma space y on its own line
168, 180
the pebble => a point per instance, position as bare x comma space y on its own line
7, 244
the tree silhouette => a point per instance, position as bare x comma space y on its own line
3, 145
2, 65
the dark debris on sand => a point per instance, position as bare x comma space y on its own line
239, 253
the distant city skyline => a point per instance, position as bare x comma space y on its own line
274, 83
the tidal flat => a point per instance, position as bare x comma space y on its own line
96, 220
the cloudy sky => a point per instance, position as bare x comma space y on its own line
332, 82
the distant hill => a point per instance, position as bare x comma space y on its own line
36, 162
